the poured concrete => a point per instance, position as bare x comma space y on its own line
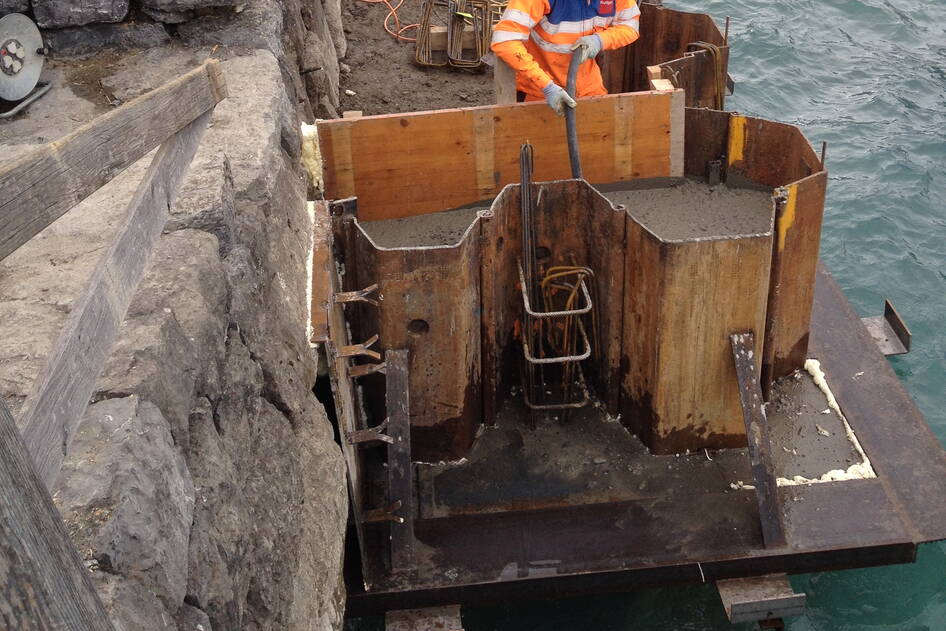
591, 459
808, 437
679, 209
433, 229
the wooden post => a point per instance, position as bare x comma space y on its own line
61, 392
45, 583
504, 83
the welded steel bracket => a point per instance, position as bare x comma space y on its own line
760, 598
383, 514
362, 370
889, 331
371, 435
757, 433
359, 295
363, 349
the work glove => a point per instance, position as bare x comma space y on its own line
587, 47
557, 98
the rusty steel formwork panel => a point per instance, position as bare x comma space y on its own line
757, 152
579, 226
430, 306
666, 38
501, 231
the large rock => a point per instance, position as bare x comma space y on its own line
178, 11
319, 600
92, 39
172, 341
127, 498
132, 606
57, 14
13, 6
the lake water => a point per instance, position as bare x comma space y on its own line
868, 77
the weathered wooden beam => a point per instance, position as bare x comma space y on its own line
400, 468
757, 431
52, 410
759, 598
445, 618
46, 585
438, 38
38, 188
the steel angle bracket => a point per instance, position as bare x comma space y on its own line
362, 370
757, 433
359, 295
369, 436
363, 349
889, 331
383, 514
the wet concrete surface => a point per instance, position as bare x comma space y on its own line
808, 437
677, 209
591, 459
440, 228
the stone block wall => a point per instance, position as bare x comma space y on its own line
305, 36
203, 488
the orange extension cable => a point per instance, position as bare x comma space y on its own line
392, 12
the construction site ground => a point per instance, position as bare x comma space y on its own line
383, 75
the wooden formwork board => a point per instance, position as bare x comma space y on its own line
401, 165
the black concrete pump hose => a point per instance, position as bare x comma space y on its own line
571, 126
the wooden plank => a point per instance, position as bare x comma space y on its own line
684, 300
504, 82
794, 267
759, 598
321, 266
438, 38
39, 187
349, 419
745, 359
52, 410
446, 618
407, 164
400, 467
46, 584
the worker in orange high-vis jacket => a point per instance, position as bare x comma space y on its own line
537, 38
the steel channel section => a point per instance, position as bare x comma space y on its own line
430, 306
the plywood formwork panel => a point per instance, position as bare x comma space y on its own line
682, 302
402, 165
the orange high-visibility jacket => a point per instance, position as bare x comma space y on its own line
535, 37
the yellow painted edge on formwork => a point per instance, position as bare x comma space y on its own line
787, 218
737, 138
